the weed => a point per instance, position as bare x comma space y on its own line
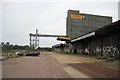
56, 60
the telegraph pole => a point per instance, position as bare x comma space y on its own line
36, 40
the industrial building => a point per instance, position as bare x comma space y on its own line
104, 41
79, 23
91, 34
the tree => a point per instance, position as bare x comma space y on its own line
2, 44
26, 47
7, 43
15, 47
11, 46
7, 46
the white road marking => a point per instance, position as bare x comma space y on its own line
74, 73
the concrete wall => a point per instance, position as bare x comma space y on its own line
77, 27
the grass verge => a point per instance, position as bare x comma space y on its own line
7, 57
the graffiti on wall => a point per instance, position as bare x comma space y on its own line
108, 51
97, 50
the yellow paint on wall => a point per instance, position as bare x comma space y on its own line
76, 16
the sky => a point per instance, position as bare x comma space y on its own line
21, 17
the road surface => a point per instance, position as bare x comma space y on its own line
51, 65
42, 66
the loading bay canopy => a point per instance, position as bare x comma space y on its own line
63, 38
84, 36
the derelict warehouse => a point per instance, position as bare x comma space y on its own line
91, 34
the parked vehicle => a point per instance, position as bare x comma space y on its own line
20, 53
38, 52
10, 54
17, 52
33, 53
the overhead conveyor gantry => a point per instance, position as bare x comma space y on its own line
35, 41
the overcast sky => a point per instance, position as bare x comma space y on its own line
19, 18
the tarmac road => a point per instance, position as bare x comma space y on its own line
42, 66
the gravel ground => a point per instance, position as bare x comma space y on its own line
64, 58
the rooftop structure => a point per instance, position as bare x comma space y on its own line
80, 23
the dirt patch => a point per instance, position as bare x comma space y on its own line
64, 58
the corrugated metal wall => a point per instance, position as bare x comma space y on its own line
107, 46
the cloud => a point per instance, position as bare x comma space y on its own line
21, 18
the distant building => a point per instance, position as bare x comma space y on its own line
80, 23
61, 48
